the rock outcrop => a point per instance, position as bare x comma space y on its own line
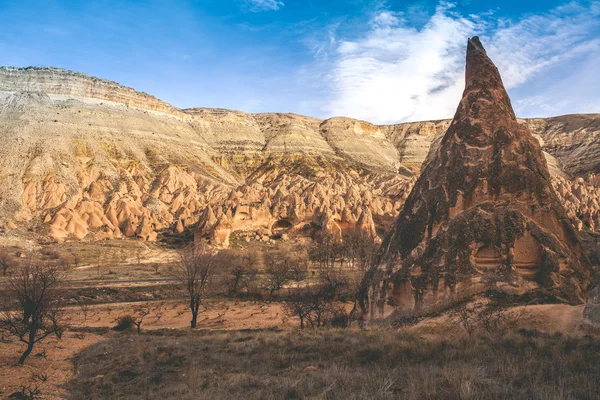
83, 158
482, 216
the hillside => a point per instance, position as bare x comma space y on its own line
83, 158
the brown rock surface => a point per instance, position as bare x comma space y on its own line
483, 214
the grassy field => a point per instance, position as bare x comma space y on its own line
336, 364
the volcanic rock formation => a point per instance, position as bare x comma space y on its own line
83, 158
483, 214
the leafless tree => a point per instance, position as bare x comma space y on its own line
85, 308
158, 311
5, 262
239, 270
359, 248
298, 267
318, 304
196, 270
276, 271
497, 318
327, 251
466, 319
141, 312
33, 312
76, 260
138, 257
298, 305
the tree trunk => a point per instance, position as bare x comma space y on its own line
26, 353
194, 308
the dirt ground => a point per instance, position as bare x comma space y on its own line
114, 287
49, 366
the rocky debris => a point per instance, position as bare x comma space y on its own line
482, 216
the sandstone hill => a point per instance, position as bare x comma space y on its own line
83, 158
482, 216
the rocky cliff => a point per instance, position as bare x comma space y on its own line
83, 158
482, 216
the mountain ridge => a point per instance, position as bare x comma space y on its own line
71, 164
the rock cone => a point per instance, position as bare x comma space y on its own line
482, 216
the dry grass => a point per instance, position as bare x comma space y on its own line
337, 364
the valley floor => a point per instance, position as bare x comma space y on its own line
336, 364
247, 349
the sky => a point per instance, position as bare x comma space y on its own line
384, 61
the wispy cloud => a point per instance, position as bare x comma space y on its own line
264, 5
394, 72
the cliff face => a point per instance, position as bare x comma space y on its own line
483, 214
84, 158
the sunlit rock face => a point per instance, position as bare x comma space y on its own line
59, 81
83, 158
483, 214
86, 159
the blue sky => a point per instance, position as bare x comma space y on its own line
383, 61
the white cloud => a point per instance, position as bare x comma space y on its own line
523, 49
396, 73
265, 5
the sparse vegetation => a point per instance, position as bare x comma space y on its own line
31, 309
240, 271
196, 270
124, 322
338, 364
5, 262
277, 271
141, 312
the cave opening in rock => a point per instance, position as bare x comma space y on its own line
282, 225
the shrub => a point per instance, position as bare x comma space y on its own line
124, 322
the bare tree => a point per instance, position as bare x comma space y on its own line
85, 308
466, 318
327, 251
316, 305
298, 305
5, 262
196, 269
34, 293
298, 267
76, 260
138, 256
158, 313
277, 272
239, 270
156, 268
141, 312
359, 248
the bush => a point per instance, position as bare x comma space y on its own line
339, 319
124, 322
